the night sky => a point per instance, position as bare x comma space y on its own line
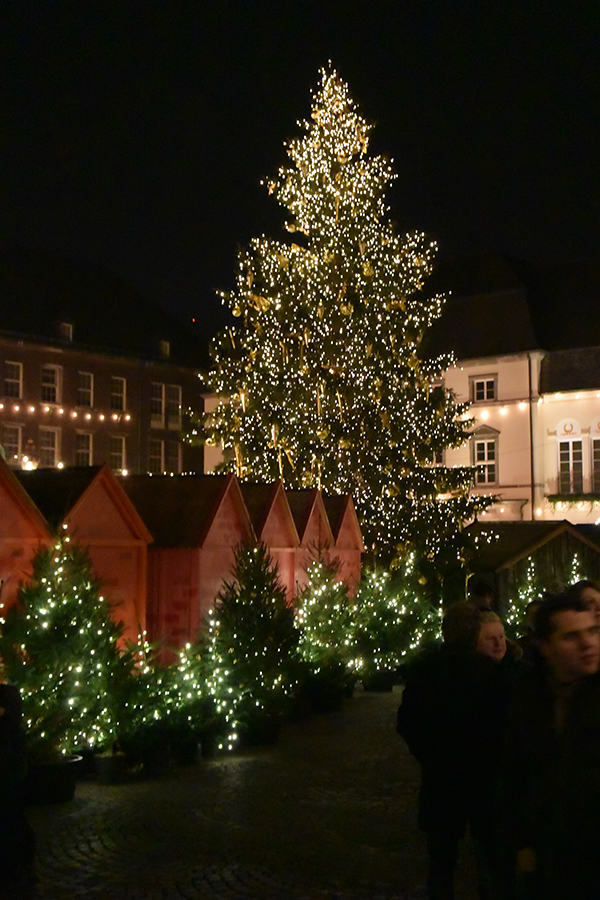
134, 135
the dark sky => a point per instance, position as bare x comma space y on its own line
135, 135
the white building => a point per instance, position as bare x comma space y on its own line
527, 345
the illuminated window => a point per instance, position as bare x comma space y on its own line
118, 394
483, 389
570, 467
83, 449
49, 446
157, 405
117, 459
13, 380
51, 384
156, 460
11, 442
173, 406
596, 465
173, 460
85, 389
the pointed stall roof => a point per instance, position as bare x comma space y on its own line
341, 511
23, 502
179, 510
518, 540
59, 493
260, 500
304, 505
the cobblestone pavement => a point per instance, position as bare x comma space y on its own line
329, 813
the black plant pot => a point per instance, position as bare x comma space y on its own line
263, 730
53, 781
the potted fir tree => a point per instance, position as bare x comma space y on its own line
59, 646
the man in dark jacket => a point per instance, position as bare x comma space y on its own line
451, 718
552, 758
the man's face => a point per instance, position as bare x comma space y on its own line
573, 649
491, 641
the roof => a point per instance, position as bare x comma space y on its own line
38, 292
570, 370
56, 491
179, 510
259, 499
518, 540
498, 305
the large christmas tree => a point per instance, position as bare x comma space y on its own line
322, 383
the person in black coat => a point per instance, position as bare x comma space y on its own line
551, 759
16, 836
452, 714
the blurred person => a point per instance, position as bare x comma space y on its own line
588, 592
16, 836
450, 717
551, 778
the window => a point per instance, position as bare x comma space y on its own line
173, 406
438, 459
570, 467
11, 441
13, 379
85, 389
484, 458
66, 331
157, 405
596, 465
49, 446
173, 460
51, 384
483, 389
83, 449
117, 459
164, 348
118, 394
156, 461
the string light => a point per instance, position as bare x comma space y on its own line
321, 383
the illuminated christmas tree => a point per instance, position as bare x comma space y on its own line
322, 384
59, 644
250, 646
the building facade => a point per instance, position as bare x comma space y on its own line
92, 374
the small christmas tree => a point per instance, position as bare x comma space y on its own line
251, 644
326, 622
59, 645
394, 620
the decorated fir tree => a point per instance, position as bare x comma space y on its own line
250, 646
394, 619
59, 645
326, 619
321, 384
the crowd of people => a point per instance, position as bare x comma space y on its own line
508, 738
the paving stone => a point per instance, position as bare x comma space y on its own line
329, 813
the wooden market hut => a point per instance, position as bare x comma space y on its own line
23, 530
550, 546
196, 522
97, 513
348, 546
314, 531
273, 524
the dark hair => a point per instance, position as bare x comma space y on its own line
460, 625
577, 589
544, 624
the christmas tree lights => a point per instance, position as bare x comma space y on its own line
59, 645
322, 384
250, 646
